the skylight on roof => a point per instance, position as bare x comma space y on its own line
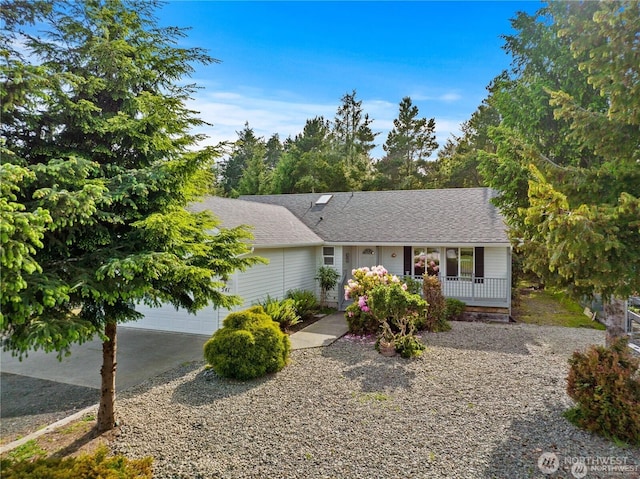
323, 200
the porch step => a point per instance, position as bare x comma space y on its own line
486, 309
485, 313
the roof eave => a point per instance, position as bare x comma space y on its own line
286, 245
505, 244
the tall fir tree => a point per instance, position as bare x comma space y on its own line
354, 140
100, 161
244, 171
458, 161
568, 147
310, 163
274, 150
408, 147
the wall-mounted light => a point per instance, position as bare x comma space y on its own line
393, 255
368, 251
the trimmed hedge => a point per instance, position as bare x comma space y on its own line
249, 345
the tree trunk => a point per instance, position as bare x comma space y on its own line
615, 319
106, 416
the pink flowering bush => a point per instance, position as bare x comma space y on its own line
359, 317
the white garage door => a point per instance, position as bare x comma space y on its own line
166, 318
289, 268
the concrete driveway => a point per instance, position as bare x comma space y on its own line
40, 389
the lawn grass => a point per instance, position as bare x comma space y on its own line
29, 451
551, 308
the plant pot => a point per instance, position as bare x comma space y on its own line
388, 350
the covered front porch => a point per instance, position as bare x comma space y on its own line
478, 275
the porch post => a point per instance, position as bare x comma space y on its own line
473, 287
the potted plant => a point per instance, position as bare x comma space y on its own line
328, 278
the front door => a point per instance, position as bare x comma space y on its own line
367, 256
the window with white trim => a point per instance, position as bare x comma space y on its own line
426, 260
459, 263
465, 263
328, 255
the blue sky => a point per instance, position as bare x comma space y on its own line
285, 62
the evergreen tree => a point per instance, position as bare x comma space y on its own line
274, 151
247, 147
568, 148
458, 161
354, 140
310, 163
408, 147
98, 169
249, 160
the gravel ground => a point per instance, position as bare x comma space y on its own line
484, 401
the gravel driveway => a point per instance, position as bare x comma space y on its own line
484, 401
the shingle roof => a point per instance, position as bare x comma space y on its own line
272, 225
437, 217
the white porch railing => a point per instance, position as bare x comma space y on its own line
492, 292
489, 292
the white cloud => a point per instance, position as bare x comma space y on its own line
229, 111
448, 97
286, 115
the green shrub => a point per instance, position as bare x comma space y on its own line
249, 345
409, 346
282, 311
392, 303
454, 309
436, 320
81, 467
605, 385
359, 321
305, 301
413, 285
398, 311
